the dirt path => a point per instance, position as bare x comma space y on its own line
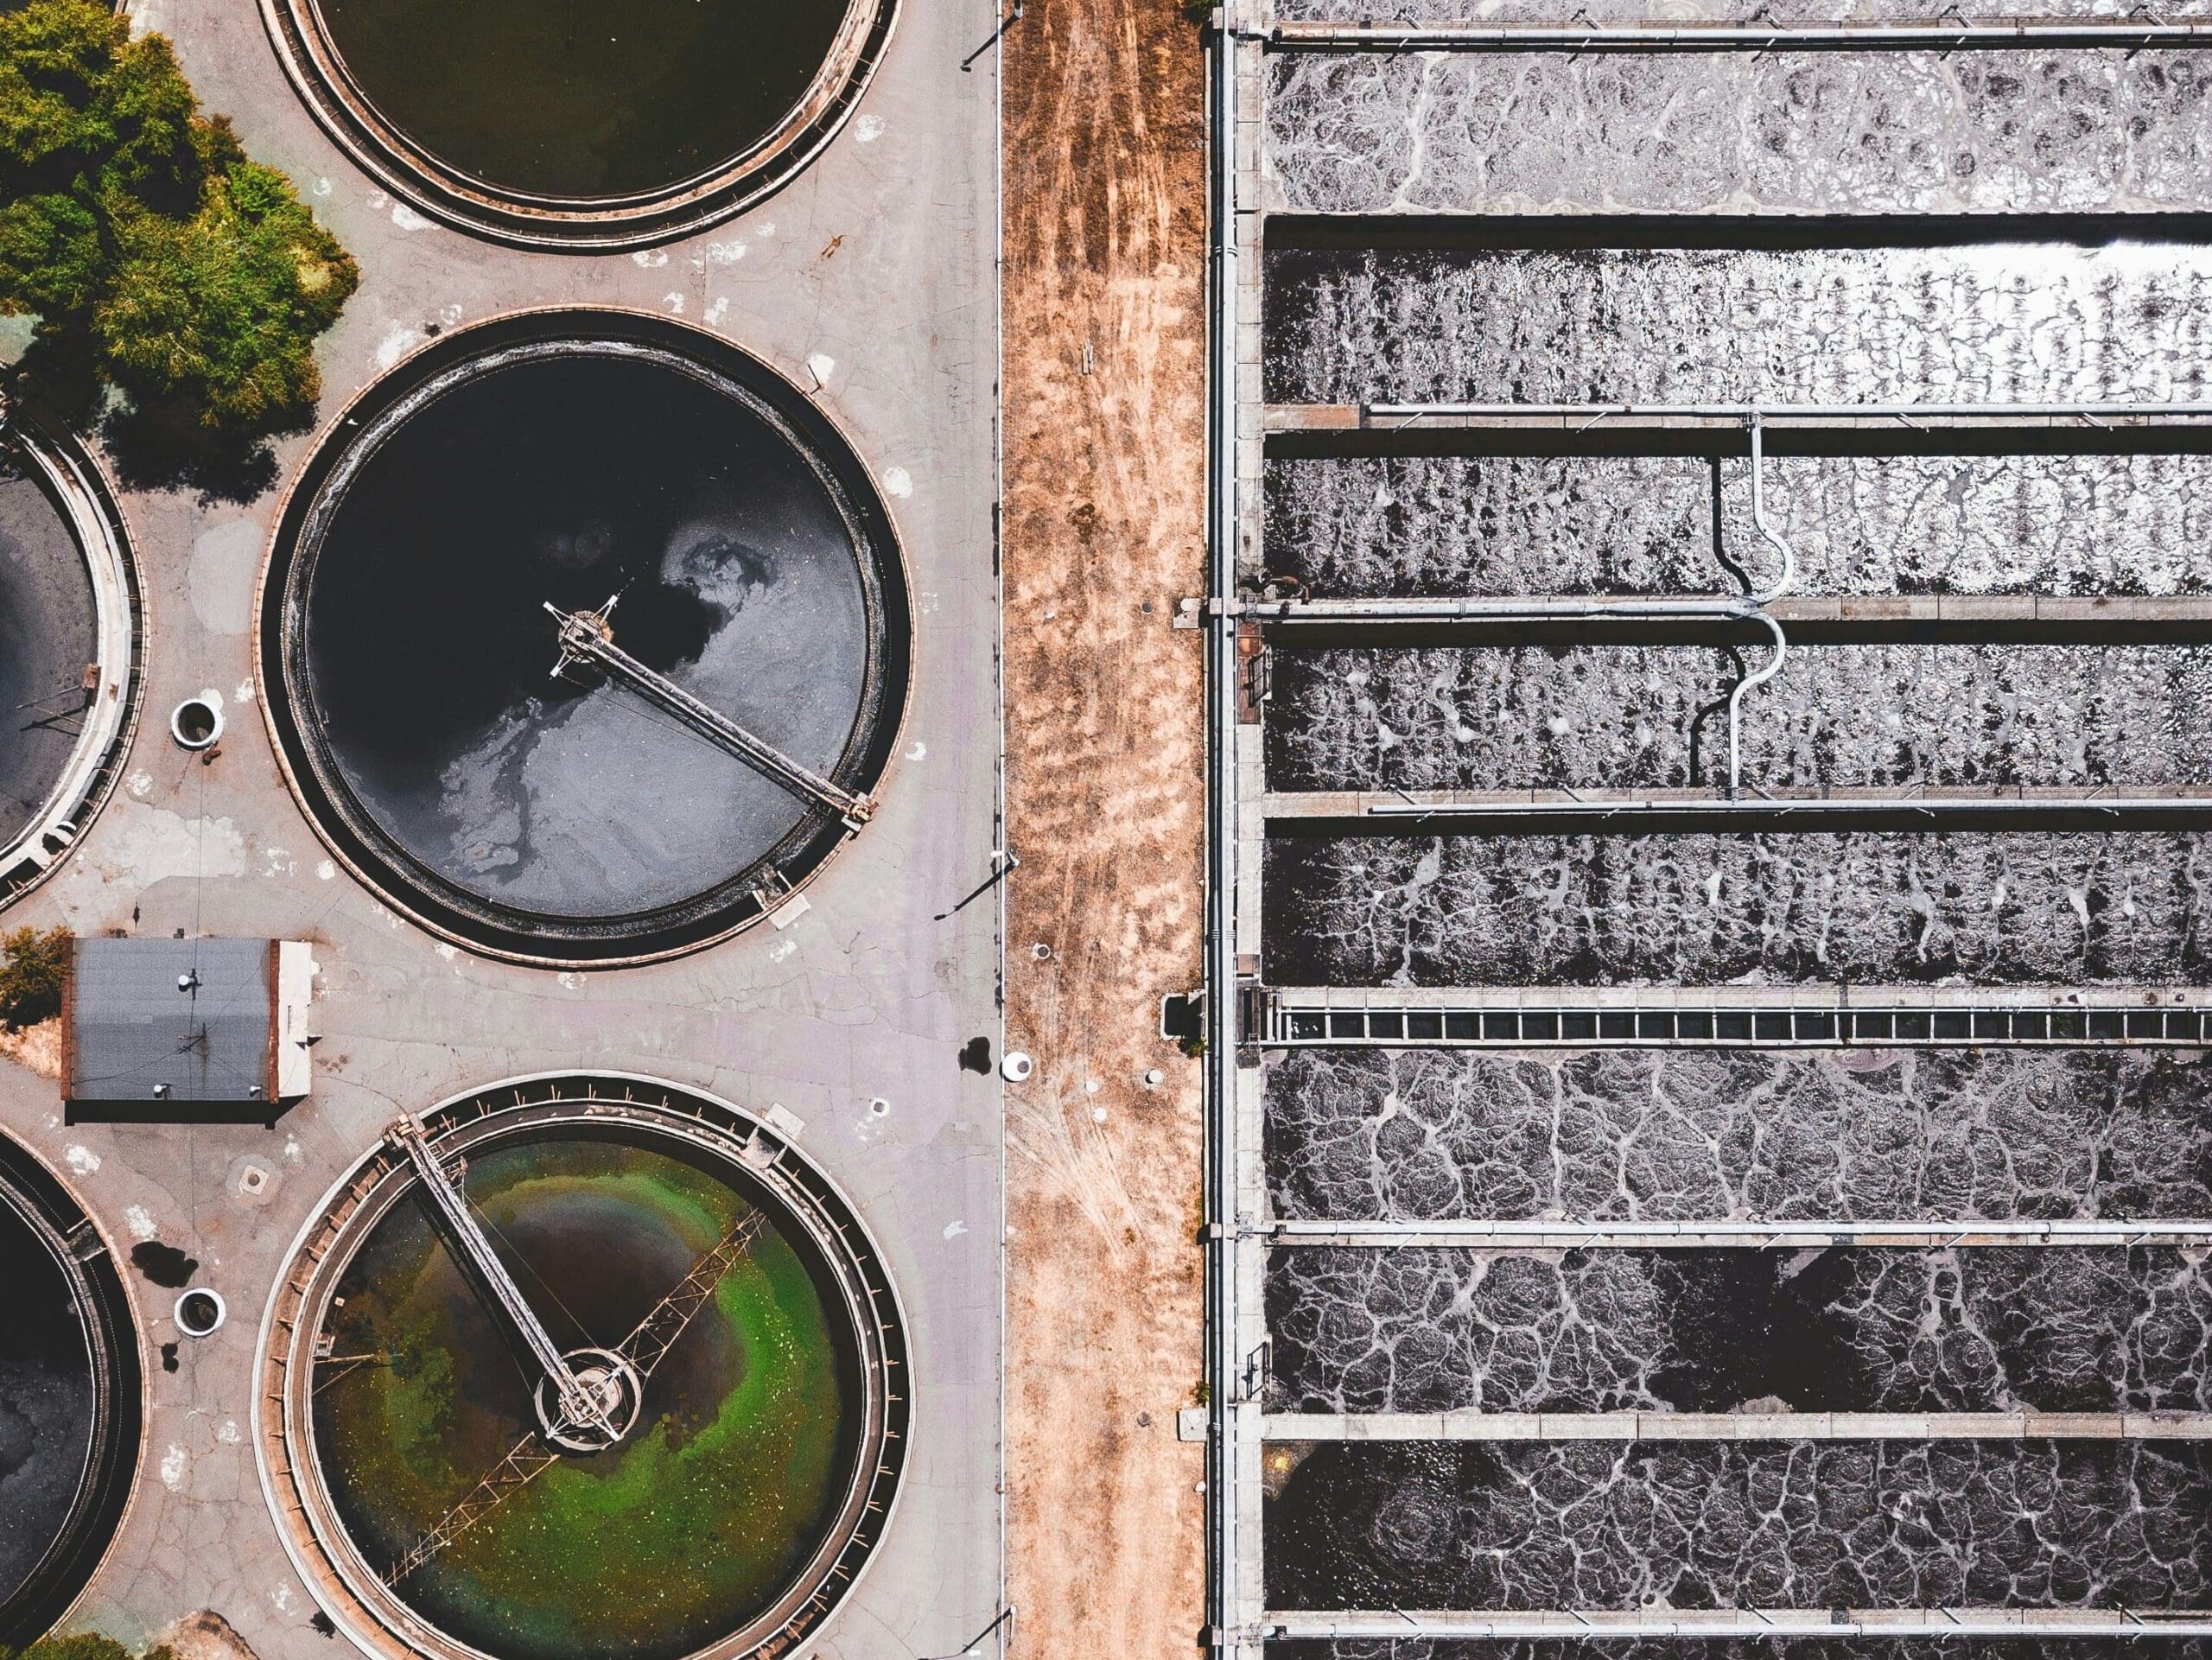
1105, 401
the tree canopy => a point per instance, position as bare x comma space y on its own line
156, 257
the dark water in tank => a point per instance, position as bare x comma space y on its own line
49, 634
1931, 1136
657, 1546
2017, 322
1402, 526
1835, 1525
571, 479
584, 98
2055, 1329
1845, 716
1997, 908
46, 1400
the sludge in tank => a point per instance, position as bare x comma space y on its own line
456, 562
614, 123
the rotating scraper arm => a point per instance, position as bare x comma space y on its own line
588, 636
656, 1334
482, 1268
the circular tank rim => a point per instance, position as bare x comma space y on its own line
542, 948
88, 504
121, 1325
380, 1624
610, 223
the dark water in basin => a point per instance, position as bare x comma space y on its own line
48, 635
1403, 526
46, 1400
1839, 717
1867, 907
584, 98
673, 1538
570, 479
1680, 1135
1838, 1524
2057, 1329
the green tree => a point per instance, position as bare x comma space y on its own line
30, 991
156, 258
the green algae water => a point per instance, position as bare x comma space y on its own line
656, 1547
584, 99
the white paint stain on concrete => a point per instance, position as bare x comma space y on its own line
173, 1464
225, 560
140, 783
725, 253
325, 871
718, 310
322, 186
140, 1221
899, 481
650, 259
81, 1158
954, 1230
244, 693
674, 301
571, 981
407, 219
867, 129
154, 844
227, 1432
821, 366
395, 345
917, 750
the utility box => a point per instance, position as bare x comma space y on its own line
155, 1023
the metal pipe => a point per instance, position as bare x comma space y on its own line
1767, 670
1906, 412
1541, 1234
1630, 37
1224, 1499
1686, 803
1787, 1426
1376, 1624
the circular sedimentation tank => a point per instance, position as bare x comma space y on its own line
68, 648
597, 462
602, 124
69, 1399
753, 1466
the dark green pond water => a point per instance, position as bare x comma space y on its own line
656, 1547
583, 97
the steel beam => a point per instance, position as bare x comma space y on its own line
1233, 1450
1935, 35
482, 1267
1722, 418
1311, 1426
586, 636
1631, 1234
1809, 998
1383, 812
1873, 613
1373, 1625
